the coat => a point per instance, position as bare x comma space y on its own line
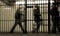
37, 15
54, 13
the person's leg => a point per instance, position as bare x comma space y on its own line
38, 26
16, 22
20, 25
34, 25
34, 28
13, 28
54, 26
38, 23
58, 25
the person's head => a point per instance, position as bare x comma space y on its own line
21, 8
56, 4
36, 6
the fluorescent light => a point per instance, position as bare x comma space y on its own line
41, 2
33, 2
20, 2
51, 1
30, 2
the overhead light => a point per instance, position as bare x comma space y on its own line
33, 2
42, 2
20, 2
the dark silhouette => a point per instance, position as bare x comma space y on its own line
18, 20
37, 15
55, 17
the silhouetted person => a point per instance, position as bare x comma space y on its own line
37, 15
18, 19
55, 17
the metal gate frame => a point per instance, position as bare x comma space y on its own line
48, 15
26, 16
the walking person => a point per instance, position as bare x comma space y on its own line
37, 15
55, 17
18, 19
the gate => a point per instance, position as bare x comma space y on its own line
7, 16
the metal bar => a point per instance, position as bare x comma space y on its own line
25, 16
43, 15
48, 16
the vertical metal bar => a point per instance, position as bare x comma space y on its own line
28, 21
40, 16
0, 19
48, 16
30, 18
11, 13
25, 16
5, 22
43, 17
2, 22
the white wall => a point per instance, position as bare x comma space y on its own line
8, 13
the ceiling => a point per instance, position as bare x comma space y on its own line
57, 0
11, 2
8, 2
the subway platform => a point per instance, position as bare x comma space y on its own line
28, 34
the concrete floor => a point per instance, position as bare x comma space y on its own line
29, 34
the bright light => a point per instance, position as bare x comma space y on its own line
31, 2
20, 2
51, 1
41, 2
